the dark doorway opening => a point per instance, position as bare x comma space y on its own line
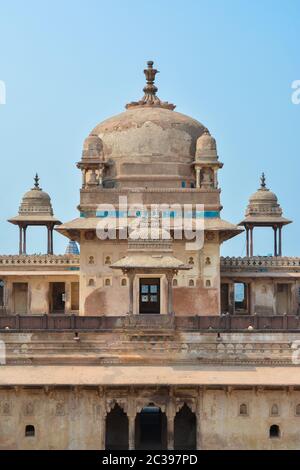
185, 429
116, 437
224, 298
151, 429
150, 295
57, 297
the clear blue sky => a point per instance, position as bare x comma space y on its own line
68, 65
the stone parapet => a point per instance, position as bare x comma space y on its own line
260, 263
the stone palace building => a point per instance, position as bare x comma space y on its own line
149, 340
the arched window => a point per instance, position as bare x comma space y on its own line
274, 410
108, 282
29, 430
191, 260
207, 283
298, 409
107, 260
124, 282
175, 283
274, 431
191, 283
243, 409
91, 283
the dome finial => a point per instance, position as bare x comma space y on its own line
150, 98
263, 181
36, 182
150, 89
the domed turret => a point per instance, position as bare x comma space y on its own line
206, 162
35, 209
36, 202
263, 205
263, 210
206, 149
92, 148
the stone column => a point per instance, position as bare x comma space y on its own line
280, 241
247, 242
20, 240
83, 173
275, 240
198, 419
48, 240
170, 429
170, 413
102, 418
101, 171
24, 240
197, 177
251, 241
169, 276
102, 428
215, 178
51, 240
130, 275
8, 295
131, 431
131, 413
68, 300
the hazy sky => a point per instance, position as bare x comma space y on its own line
68, 65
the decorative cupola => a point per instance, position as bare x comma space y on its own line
92, 163
263, 210
72, 248
206, 162
35, 209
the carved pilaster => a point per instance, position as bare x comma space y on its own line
199, 408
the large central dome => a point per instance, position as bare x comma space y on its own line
149, 143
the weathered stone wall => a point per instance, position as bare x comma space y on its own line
197, 290
75, 418
38, 293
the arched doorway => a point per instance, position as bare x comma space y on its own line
116, 430
185, 429
151, 429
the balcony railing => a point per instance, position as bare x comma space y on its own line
229, 323
260, 263
39, 260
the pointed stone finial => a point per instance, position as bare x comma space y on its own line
150, 90
263, 181
36, 182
